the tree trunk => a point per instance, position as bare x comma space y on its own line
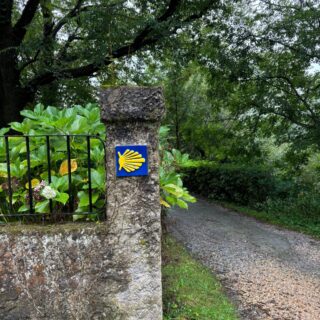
13, 97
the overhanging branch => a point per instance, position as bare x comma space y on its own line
72, 13
143, 39
5, 12
25, 19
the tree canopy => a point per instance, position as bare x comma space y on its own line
43, 42
235, 72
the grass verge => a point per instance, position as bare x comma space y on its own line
190, 291
295, 222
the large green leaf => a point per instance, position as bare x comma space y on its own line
42, 207
62, 197
84, 200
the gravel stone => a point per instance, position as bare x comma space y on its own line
270, 273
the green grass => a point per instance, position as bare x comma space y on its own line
191, 292
290, 220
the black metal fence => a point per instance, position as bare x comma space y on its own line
51, 178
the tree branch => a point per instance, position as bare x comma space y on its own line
139, 42
142, 40
267, 110
290, 118
77, 9
295, 48
51, 30
5, 12
47, 28
298, 96
172, 8
25, 19
63, 51
47, 18
30, 61
72, 13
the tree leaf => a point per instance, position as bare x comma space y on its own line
64, 168
62, 198
182, 204
164, 203
42, 207
84, 198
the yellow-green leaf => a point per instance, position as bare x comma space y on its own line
164, 203
34, 183
64, 169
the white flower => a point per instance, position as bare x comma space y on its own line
40, 186
49, 193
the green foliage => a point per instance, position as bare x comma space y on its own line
292, 213
81, 121
293, 202
298, 209
171, 185
190, 291
235, 183
247, 97
59, 38
53, 121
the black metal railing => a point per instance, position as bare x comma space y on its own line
26, 157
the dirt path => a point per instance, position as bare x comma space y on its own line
270, 273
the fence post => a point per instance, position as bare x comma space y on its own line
132, 117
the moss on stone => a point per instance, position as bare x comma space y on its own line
17, 228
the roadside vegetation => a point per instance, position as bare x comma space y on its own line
241, 83
294, 220
53, 191
291, 201
191, 292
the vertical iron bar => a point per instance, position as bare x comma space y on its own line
9, 173
89, 173
49, 169
69, 174
29, 174
104, 215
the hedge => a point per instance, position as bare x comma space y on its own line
232, 183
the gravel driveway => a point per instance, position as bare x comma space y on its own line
268, 272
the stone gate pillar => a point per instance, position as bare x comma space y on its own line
132, 116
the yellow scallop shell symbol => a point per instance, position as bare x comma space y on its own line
130, 160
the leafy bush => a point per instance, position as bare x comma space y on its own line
77, 120
290, 202
171, 185
233, 183
300, 212
306, 204
53, 121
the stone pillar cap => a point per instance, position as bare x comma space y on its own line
132, 104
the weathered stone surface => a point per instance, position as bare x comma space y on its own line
59, 273
132, 104
133, 208
109, 271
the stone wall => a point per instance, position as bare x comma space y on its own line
110, 270
61, 272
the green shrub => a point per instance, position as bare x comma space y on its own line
306, 204
54, 121
77, 120
233, 183
171, 186
300, 212
290, 202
